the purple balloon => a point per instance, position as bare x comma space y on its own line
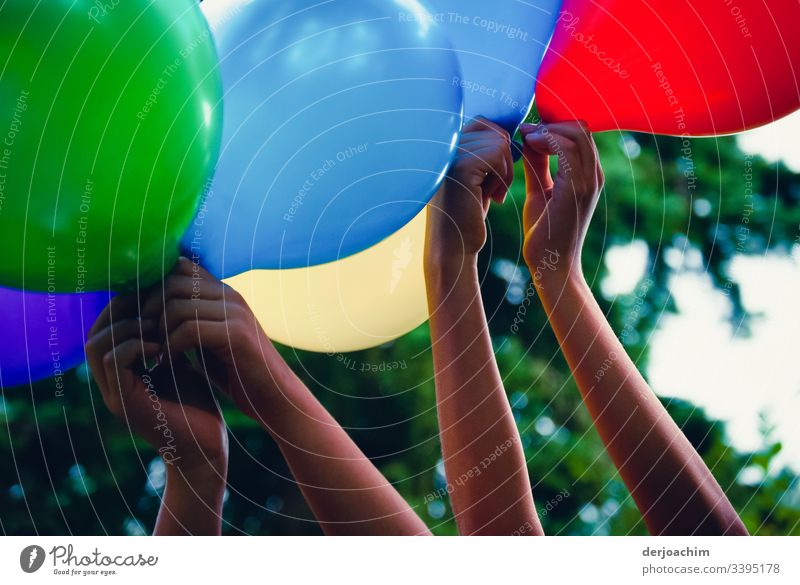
42, 334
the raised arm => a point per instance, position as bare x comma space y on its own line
484, 461
346, 492
172, 409
668, 480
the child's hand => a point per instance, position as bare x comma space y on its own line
482, 171
557, 214
171, 407
195, 311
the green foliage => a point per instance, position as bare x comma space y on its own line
67, 467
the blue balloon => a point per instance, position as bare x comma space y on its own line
500, 46
43, 333
341, 119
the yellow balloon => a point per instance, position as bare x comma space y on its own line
355, 303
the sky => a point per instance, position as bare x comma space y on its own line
696, 354
777, 141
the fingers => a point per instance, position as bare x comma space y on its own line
559, 211
482, 124
124, 355
211, 335
478, 136
491, 157
494, 160
180, 285
103, 343
546, 138
119, 308
117, 365
579, 134
545, 142
186, 267
591, 174
578, 166
484, 160
189, 299
119, 320
179, 310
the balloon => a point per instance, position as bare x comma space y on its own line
341, 120
672, 66
359, 302
44, 333
500, 46
108, 131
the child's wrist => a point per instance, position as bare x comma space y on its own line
206, 475
274, 390
553, 269
445, 271
560, 283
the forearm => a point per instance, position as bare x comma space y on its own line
192, 504
345, 491
670, 483
485, 464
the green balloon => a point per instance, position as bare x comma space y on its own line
110, 125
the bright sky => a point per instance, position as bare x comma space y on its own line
697, 356
780, 140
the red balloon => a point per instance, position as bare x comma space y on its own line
678, 67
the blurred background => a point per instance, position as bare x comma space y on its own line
694, 253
